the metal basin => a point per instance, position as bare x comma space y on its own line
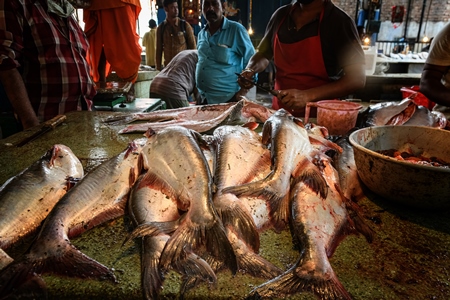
414, 185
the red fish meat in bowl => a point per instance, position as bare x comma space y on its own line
412, 184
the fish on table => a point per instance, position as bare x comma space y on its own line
317, 226
291, 156
239, 156
27, 198
174, 157
148, 204
100, 196
240, 112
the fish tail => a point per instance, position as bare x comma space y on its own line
151, 229
257, 266
5, 259
253, 189
242, 224
120, 120
297, 280
14, 276
152, 277
191, 236
194, 266
190, 282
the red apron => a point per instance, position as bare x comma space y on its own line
298, 66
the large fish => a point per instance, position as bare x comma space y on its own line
405, 112
148, 204
239, 113
345, 164
27, 198
198, 112
291, 155
100, 196
174, 157
240, 155
317, 225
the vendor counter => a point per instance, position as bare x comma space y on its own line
408, 259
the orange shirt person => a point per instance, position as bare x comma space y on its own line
110, 26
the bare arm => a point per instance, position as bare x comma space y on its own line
17, 95
353, 79
257, 63
431, 85
159, 49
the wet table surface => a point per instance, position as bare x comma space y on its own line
408, 259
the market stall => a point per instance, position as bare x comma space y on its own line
408, 258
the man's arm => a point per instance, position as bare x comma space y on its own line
159, 48
17, 94
431, 85
190, 38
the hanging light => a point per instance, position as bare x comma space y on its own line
426, 39
366, 41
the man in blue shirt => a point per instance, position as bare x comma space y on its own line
224, 48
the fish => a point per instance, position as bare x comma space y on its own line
384, 112
424, 117
198, 112
240, 155
175, 159
240, 113
100, 196
317, 226
148, 204
27, 198
291, 154
349, 181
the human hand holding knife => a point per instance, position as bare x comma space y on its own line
276, 93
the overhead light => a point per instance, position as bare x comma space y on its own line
425, 39
250, 30
366, 40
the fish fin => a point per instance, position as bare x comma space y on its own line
309, 174
188, 235
111, 214
152, 277
279, 212
69, 262
298, 121
5, 259
256, 265
329, 145
357, 218
190, 282
152, 229
195, 267
242, 224
298, 279
251, 125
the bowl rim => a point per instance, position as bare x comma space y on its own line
354, 144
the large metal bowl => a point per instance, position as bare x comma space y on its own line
419, 186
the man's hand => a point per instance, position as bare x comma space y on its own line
295, 99
240, 94
247, 74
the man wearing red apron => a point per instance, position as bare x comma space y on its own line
317, 54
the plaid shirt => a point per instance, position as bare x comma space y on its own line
49, 52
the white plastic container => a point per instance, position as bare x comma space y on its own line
371, 59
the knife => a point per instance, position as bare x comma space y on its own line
46, 126
273, 92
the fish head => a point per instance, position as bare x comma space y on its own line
61, 156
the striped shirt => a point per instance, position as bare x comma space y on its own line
49, 52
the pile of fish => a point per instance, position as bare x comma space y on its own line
405, 112
198, 202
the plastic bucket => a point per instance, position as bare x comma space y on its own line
336, 115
